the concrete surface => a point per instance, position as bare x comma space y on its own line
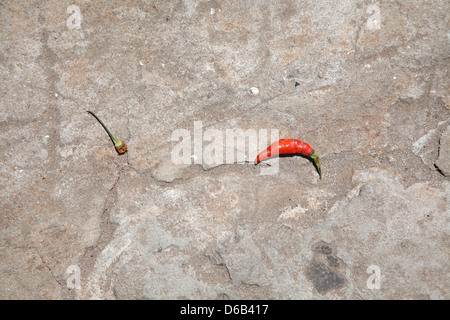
365, 83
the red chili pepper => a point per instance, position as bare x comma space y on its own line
291, 146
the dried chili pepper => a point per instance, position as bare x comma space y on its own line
121, 147
291, 146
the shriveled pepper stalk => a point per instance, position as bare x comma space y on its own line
121, 147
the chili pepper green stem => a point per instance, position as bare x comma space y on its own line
315, 158
119, 145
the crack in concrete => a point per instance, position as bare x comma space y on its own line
107, 228
64, 288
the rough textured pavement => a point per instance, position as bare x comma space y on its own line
365, 83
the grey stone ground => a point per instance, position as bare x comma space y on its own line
372, 97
